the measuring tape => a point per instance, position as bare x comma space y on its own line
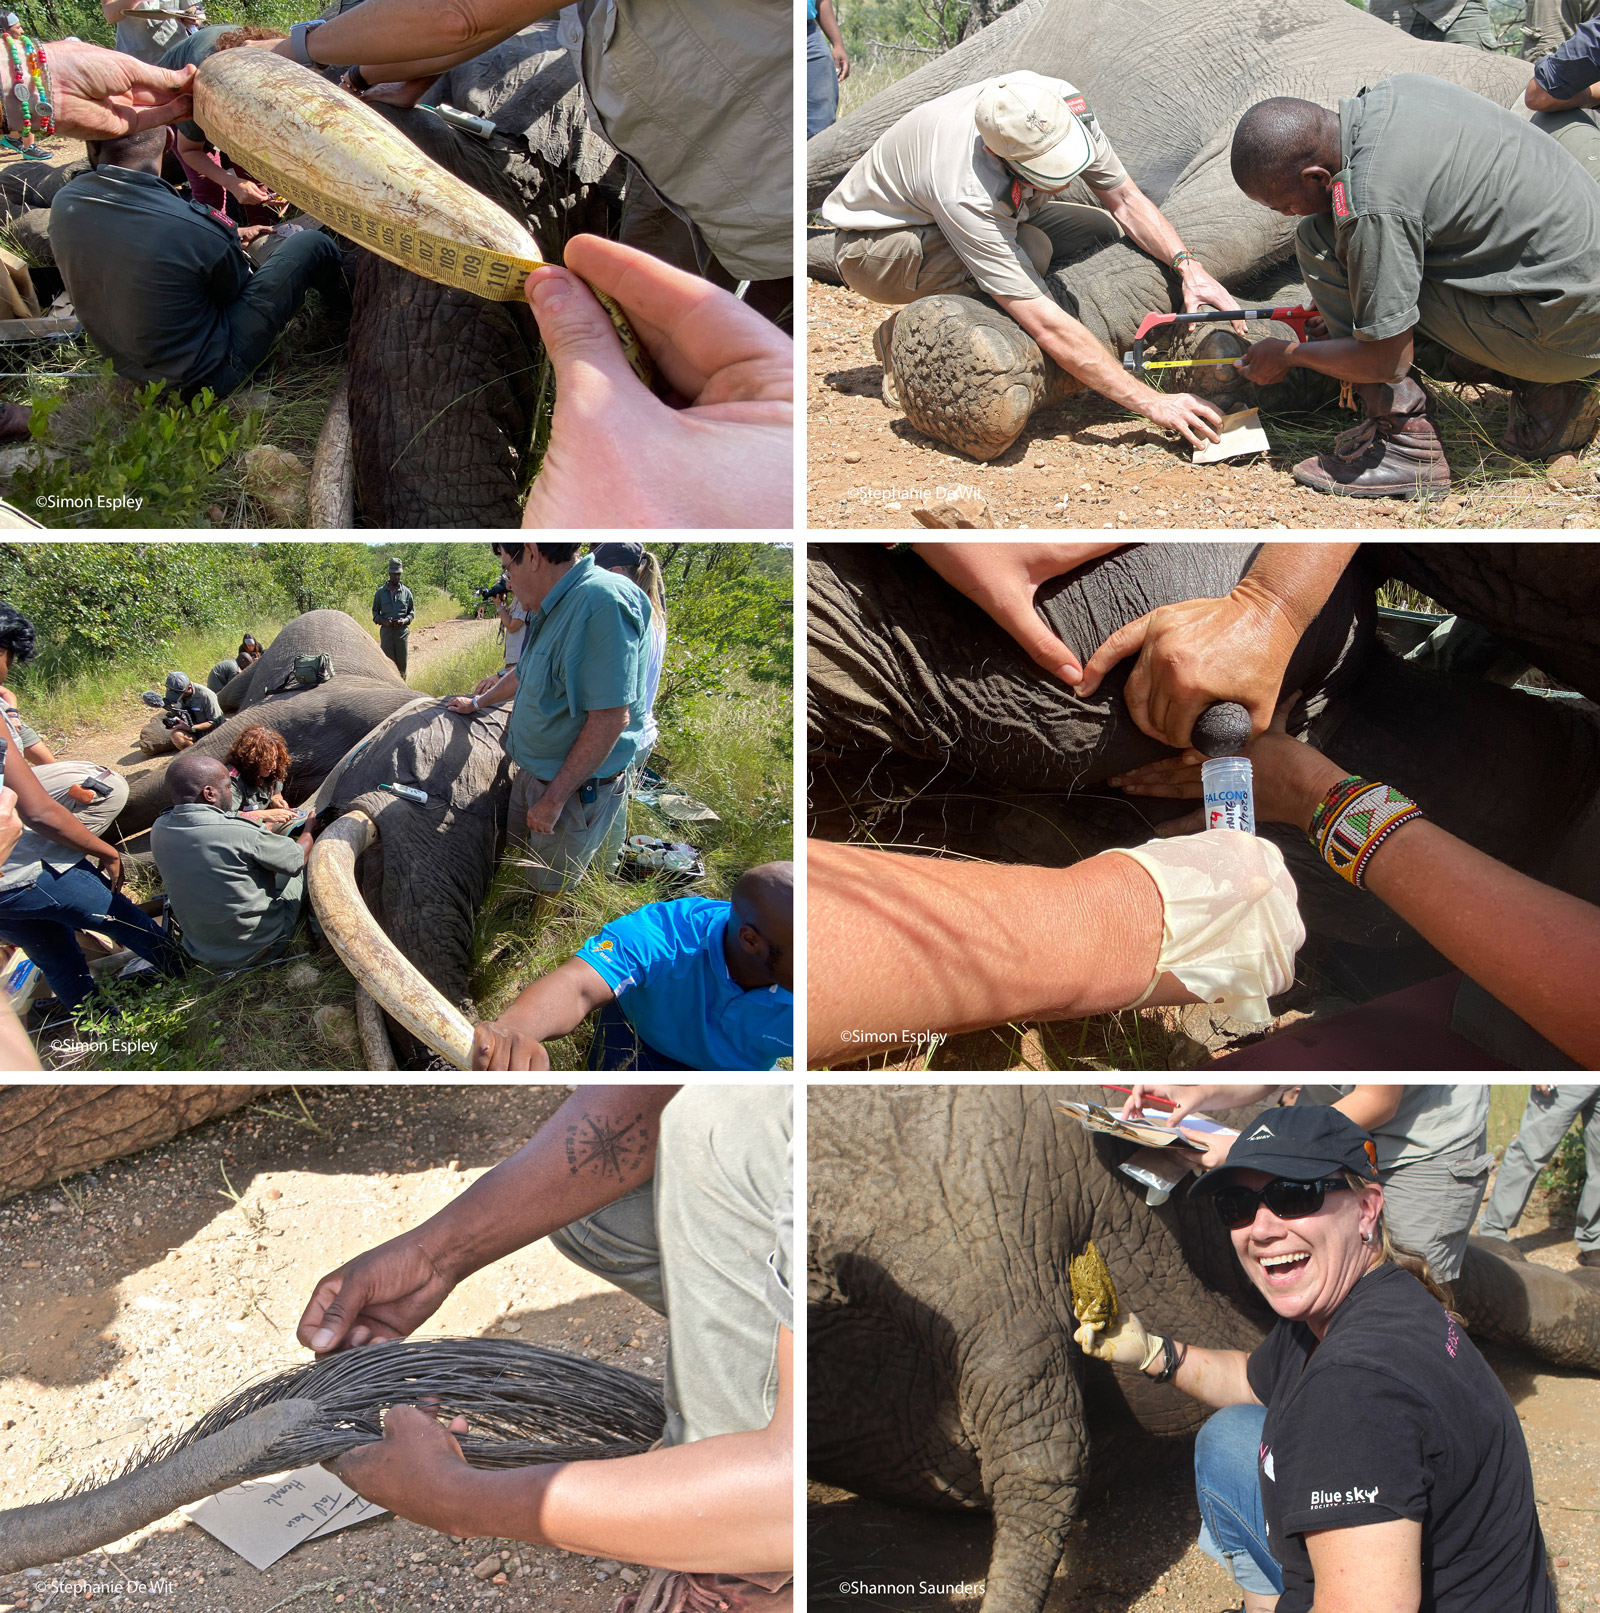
480, 270
1174, 363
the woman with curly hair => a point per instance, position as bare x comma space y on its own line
259, 765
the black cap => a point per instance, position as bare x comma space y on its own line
1303, 1143
607, 555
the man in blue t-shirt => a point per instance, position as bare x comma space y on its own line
686, 985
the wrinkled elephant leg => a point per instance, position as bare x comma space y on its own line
968, 375
1529, 1306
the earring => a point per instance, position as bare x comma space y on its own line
1366, 1237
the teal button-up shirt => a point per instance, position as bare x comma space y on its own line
584, 651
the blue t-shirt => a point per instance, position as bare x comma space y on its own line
583, 650
665, 965
1573, 66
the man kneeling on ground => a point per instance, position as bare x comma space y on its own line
685, 985
236, 888
162, 285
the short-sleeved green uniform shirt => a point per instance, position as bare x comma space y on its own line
390, 601
235, 887
1442, 185
584, 651
199, 702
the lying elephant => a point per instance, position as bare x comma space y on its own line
928, 724
403, 921
942, 1366
1168, 84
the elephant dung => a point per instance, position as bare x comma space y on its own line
336, 1025
279, 482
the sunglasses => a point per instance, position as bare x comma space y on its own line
1289, 1201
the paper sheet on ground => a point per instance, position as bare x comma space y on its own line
262, 1519
1241, 434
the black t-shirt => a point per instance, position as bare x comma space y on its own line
1396, 1415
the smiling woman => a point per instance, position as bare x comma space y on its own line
1364, 1455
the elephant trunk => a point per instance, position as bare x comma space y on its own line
1532, 1307
49, 1531
397, 986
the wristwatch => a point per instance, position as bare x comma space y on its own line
297, 41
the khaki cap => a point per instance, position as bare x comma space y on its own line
1032, 129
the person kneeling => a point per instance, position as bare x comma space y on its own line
162, 285
236, 889
686, 985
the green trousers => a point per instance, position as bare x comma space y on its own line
1489, 330
393, 641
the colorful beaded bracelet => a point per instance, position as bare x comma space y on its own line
1353, 819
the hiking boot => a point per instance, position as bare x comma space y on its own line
882, 340
1551, 418
1393, 453
1476, 374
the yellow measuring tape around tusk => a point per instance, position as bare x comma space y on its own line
1175, 363
336, 159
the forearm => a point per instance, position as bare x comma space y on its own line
1532, 947
1346, 358
600, 1144
39, 754
1295, 579
1370, 1106
1078, 352
1145, 224
599, 734
503, 689
911, 944
829, 25
1215, 1377
720, 1505
1538, 99
401, 34
557, 1003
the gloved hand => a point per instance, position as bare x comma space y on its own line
1125, 1342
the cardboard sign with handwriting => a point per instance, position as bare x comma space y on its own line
262, 1519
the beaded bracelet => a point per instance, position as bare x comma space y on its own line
1183, 257
1353, 819
30, 67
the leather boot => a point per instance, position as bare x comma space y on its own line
882, 340
1551, 418
1476, 374
1393, 453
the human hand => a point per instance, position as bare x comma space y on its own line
1184, 1100
486, 684
1266, 361
1288, 777
1214, 1147
110, 865
11, 824
1192, 655
462, 704
1201, 290
412, 1470
252, 194
249, 233
1124, 1343
181, 739
1195, 419
398, 92
499, 1044
841, 62
386, 1293
1002, 578
543, 813
103, 94
618, 455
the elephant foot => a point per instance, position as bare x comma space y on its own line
966, 374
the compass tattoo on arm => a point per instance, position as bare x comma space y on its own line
607, 1146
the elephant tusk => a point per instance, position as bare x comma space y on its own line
49, 1531
375, 1043
363, 948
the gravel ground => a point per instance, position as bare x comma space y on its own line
138, 1295
1134, 1550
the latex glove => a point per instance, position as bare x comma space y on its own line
1230, 924
1125, 1342
618, 455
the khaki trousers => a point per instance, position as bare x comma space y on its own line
558, 858
898, 266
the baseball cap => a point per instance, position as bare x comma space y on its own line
607, 555
1030, 127
177, 682
1303, 1143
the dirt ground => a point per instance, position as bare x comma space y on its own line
1134, 1550
139, 1294
1088, 464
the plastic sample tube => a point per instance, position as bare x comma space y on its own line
1230, 796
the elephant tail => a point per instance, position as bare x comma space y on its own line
1554, 1316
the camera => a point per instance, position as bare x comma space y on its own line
177, 719
498, 591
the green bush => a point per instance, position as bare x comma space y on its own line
1563, 1177
147, 466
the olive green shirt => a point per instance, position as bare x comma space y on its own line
235, 887
1440, 184
198, 701
389, 602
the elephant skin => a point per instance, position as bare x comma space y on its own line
1168, 85
319, 725
942, 1366
444, 386
927, 722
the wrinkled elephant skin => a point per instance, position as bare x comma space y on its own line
1168, 83
942, 1366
